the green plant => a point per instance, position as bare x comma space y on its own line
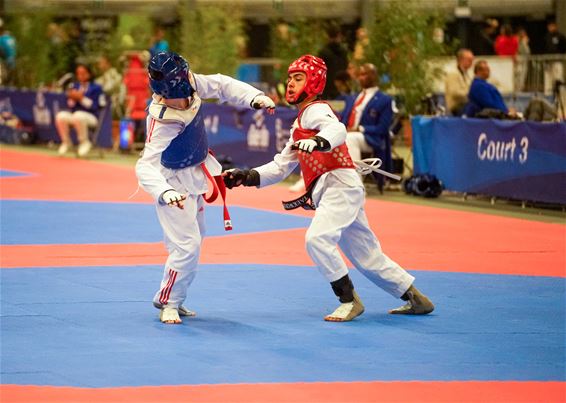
291, 40
38, 61
211, 37
400, 45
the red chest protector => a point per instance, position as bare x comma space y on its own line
315, 164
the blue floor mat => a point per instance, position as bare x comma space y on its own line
27, 222
5, 173
95, 327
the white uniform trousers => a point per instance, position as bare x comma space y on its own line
357, 145
80, 120
183, 232
340, 219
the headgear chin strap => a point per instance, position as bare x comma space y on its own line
315, 70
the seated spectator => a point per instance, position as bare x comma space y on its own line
368, 117
457, 83
483, 95
83, 99
506, 44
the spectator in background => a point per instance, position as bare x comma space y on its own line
522, 63
335, 55
158, 42
457, 83
506, 44
136, 82
7, 55
554, 41
554, 44
484, 96
367, 118
343, 83
111, 82
84, 100
483, 45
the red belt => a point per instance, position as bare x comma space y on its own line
218, 186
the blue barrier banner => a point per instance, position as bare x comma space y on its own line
37, 110
249, 137
512, 159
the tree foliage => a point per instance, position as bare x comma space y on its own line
43, 61
211, 37
401, 43
291, 40
37, 60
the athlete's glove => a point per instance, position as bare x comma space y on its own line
262, 101
173, 198
237, 177
315, 143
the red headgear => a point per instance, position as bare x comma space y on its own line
315, 70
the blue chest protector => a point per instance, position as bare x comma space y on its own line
189, 148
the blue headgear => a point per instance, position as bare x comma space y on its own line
169, 76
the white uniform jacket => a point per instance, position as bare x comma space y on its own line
163, 127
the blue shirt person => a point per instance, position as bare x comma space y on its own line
484, 95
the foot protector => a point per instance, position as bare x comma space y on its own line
347, 311
170, 316
186, 312
182, 310
417, 304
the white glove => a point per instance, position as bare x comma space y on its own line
305, 145
262, 101
173, 198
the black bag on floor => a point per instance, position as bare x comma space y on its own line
424, 185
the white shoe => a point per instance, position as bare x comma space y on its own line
63, 148
298, 187
170, 315
84, 148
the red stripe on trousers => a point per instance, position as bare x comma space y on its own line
150, 130
170, 288
163, 291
